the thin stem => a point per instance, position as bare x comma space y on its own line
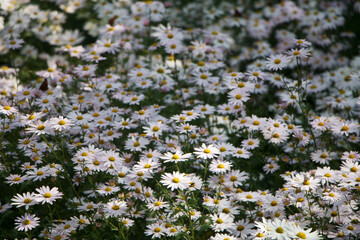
51, 217
189, 216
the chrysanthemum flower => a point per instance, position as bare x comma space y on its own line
221, 222
26, 222
344, 127
238, 96
154, 129
155, 230
7, 110
47, 195
27, 200
250, 144
221, 236
297, 232
178, 156
176, 180
39, 128
15, 179
206, 152
115, 208
275, 229
277, 62
219, 166
60, 123
242, 228
14, 43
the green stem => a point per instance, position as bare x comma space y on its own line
69, 179
189, 216
51, 217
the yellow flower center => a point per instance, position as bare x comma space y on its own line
256, 123
175, 157
301, 235
240, 228
115, 207
351, 228
306, 182
219, 221
203, 76
327, 175
47, 195
344, 128
26, 222
221, 166
16, 179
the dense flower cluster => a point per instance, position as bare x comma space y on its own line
179, 120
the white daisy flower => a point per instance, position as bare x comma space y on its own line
277, 62
206, 152
176, 180
26, 222
47, 195
221, 222
27, 200
219, 166
60, 123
